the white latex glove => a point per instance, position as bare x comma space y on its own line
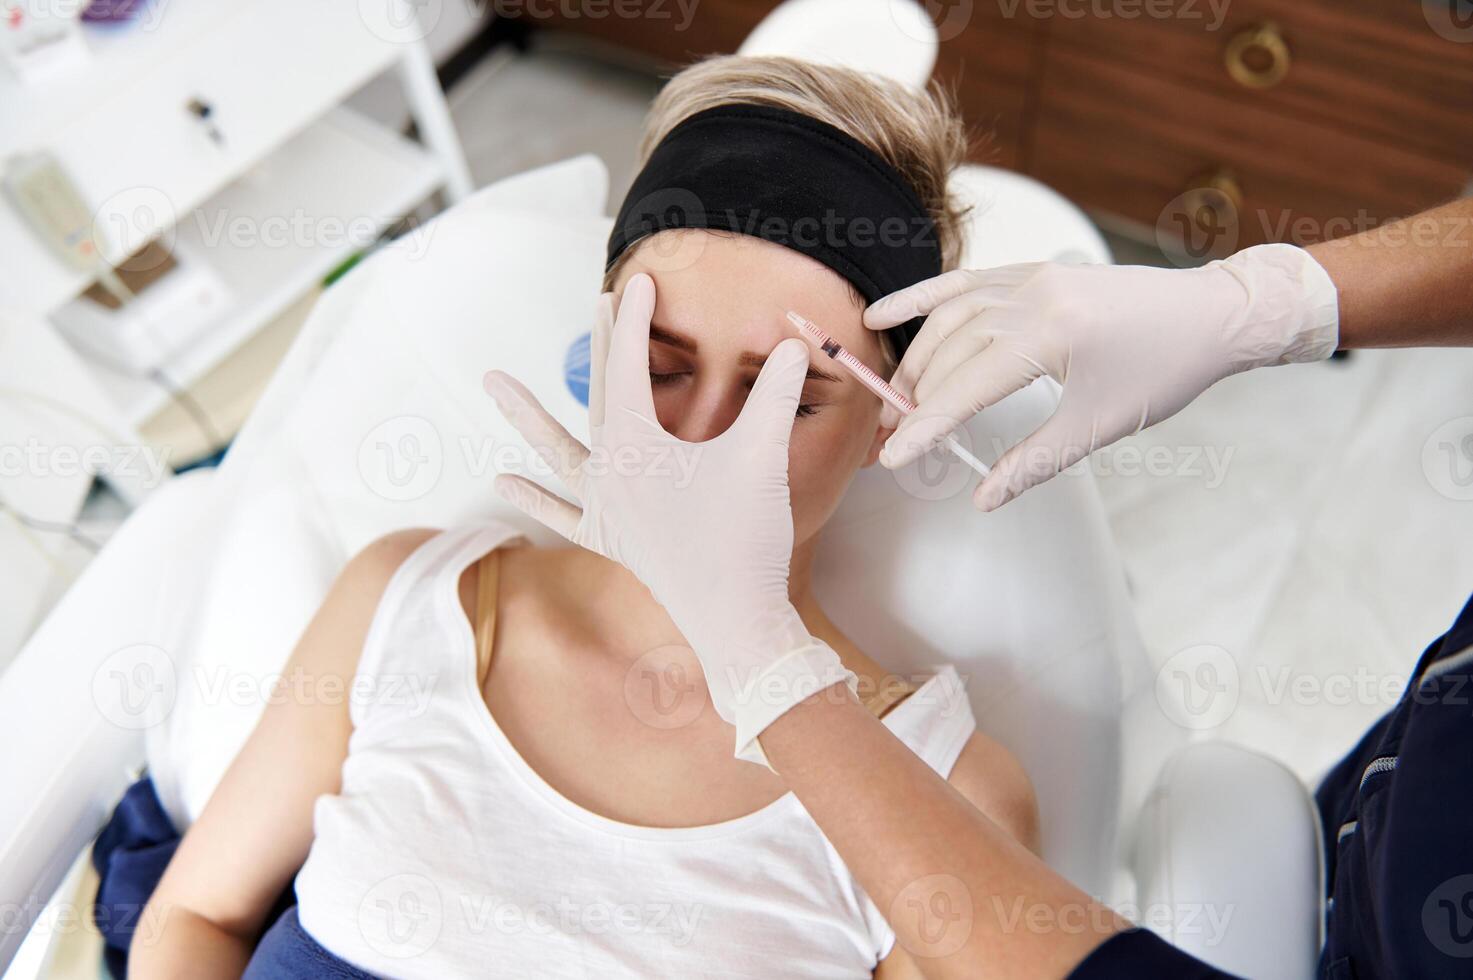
714, 551
1131, 345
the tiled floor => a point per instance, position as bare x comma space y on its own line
1338, 544
516, 111
1313, 522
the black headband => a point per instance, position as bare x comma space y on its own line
789, 179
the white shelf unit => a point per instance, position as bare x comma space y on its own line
275, 74
342, 165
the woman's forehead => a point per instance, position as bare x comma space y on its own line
707, 281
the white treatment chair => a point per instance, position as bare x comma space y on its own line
894, 38
164, 649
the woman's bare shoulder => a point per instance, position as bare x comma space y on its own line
378, 560
535, 584
381, 557
990, 776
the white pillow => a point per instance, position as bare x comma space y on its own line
394, 351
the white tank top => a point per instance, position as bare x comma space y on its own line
445, 854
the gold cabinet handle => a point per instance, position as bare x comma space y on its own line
1203, 221
1216, 189
1257, 57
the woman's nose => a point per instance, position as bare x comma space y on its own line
703, 413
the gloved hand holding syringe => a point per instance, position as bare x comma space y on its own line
1131, 345
867, 377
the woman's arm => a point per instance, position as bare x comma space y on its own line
208, 910
964, 897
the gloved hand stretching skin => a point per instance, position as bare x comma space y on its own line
713, 551
1131, 345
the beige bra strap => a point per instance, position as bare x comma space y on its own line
888, 696
486, 613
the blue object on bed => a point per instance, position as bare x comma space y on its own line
130, 856
288, 952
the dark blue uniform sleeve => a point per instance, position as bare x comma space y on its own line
1397, 817
1397, 814
1420, 878
1139, 954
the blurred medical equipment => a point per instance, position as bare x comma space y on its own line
164, 649
46, 196
40, 41
836, 352
181, 128
57, 435
110, 163
137, 320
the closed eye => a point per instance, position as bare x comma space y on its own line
662, 378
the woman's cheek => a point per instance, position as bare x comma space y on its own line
800, 490
669, 409
819, 470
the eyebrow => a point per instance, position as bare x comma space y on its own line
749, 359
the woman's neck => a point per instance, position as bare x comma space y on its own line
622, 618
615, 596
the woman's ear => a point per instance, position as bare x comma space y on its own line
873, 455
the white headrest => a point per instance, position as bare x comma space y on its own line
891, 38
377, 421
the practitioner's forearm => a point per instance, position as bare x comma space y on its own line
1408, 283
964, 898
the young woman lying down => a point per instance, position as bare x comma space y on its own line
567, 803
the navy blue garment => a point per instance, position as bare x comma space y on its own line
130, 855
1397, 814
287, 952
1398, 822
1139, 954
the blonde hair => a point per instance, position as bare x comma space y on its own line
920, 134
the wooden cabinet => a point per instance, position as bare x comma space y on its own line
1205, 124
672, 32
1291, 120
1374, 67
1215, 171
992, 65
